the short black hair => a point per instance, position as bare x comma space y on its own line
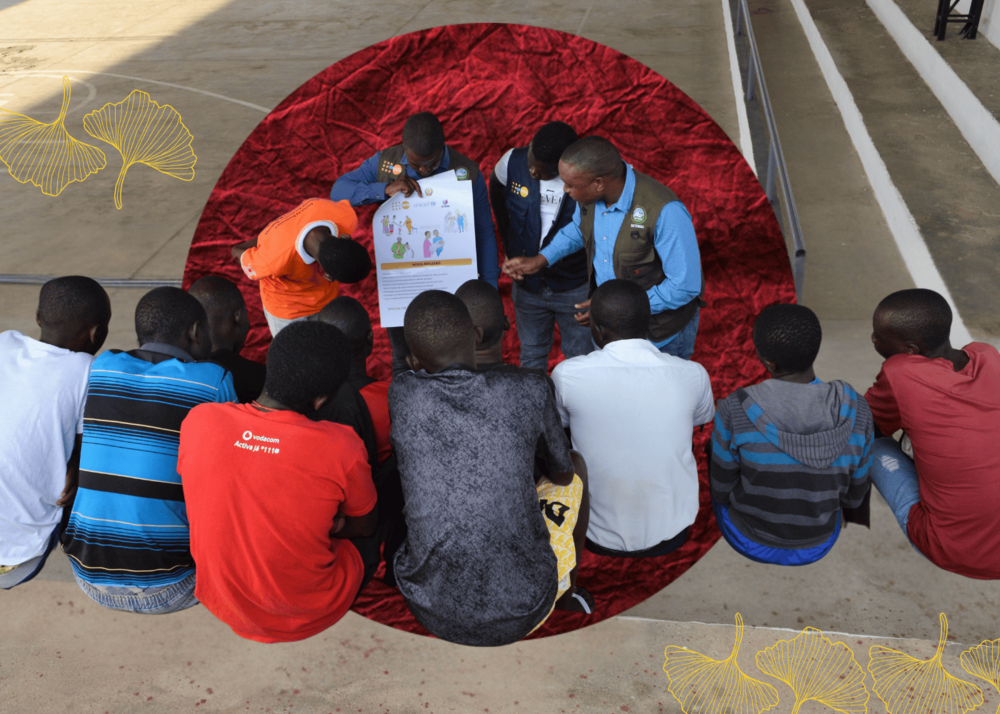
423, 135
350, 317
344, 260
788, 335
436, 322
217, 295
918, 315
73, 302
594, 155
165, 314
549, 142
306, 360
485, 307
622, 306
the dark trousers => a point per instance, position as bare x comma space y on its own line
667, 546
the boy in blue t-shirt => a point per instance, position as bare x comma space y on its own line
127, 536
789, 453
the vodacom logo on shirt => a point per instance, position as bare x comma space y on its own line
249, 437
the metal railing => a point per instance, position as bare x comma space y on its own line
777, 172
8, 279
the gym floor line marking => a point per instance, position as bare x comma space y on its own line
142, 79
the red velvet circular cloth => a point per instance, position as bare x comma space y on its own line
492, 86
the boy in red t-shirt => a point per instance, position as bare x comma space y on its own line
301, 257
284, 524
947, 401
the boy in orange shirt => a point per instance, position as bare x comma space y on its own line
301, 257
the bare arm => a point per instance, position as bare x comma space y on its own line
355, 526
240, 247
72, 474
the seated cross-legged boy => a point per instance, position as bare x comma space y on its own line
127, 536
228, 326
789, 453
43, 389
488, 554
947, 401
362, 403
282, 508
631, 411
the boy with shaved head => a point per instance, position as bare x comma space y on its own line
283, 510
631, 410
127, 537
790, 454
228, 325
947, 401
44, 389
488, 554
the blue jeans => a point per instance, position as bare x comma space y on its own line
765, 553
895, 476
682, 345
536, 315
144, 601
30, 568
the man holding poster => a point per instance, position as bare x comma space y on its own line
396, 171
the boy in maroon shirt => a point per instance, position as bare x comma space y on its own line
947, 401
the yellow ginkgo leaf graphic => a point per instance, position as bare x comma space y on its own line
819, 669
144, 132
907, 685
704, 685
45, 154
983, 661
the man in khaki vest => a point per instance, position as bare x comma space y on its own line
421, 154
632, 228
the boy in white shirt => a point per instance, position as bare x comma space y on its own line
43, 386
631, 411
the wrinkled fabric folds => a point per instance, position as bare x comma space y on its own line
492, 86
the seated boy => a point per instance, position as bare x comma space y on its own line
127, 536
274, 497
947, 496
485, 307
789, 453
228, 325
43, 389
487, 554
350, 317
631, 410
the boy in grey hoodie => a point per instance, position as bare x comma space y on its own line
790, 452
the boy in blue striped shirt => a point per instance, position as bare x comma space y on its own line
789, 453
127, 537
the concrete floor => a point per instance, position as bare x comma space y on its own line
60, 652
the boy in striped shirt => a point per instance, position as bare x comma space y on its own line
127, 537
789, 453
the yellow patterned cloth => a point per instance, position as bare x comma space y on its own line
4, 569
560, 506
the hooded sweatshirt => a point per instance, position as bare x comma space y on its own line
786, 457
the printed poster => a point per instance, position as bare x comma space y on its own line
424, 243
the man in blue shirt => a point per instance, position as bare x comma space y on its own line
632, 228
421, 154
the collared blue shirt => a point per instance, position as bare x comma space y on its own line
674, 240
360, 188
